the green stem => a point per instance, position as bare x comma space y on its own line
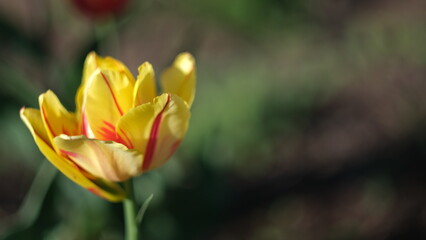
130, 212
107, 36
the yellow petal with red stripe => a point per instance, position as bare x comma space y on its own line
56, 118
93, 63
156, 128
171, 129
135, 126
33, 120
145, 88
107, 97
180, 78
107, 160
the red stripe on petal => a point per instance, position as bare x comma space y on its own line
109, 125
64, 131
112, 93
67, 155
129, 143
150, 147
71, 154
47, 121
108, 133
96, 192
46, 141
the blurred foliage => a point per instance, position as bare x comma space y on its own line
309, 119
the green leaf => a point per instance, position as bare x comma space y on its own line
143, 209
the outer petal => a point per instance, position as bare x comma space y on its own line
156, 128
107, 97
33, 120
145, 89
172, 128
93, 63
135, 127
55, 117
107, 160
180, 77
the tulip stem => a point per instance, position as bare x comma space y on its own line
130, 212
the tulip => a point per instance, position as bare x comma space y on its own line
120, 129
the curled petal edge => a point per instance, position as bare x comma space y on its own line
108, 190
104, 159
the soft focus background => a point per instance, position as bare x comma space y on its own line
309, 120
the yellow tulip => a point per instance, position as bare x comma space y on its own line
121, 128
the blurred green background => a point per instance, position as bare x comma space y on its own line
309, 120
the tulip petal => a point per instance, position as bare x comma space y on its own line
108, 190
145, 89
34, 122
107, 97
180, 78
155, 128
55, 117
93, 63
172, 128
106, 160
135, 126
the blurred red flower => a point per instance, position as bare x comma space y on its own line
100, 8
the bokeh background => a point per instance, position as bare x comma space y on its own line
309, 120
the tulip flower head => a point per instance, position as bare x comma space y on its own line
120, 129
